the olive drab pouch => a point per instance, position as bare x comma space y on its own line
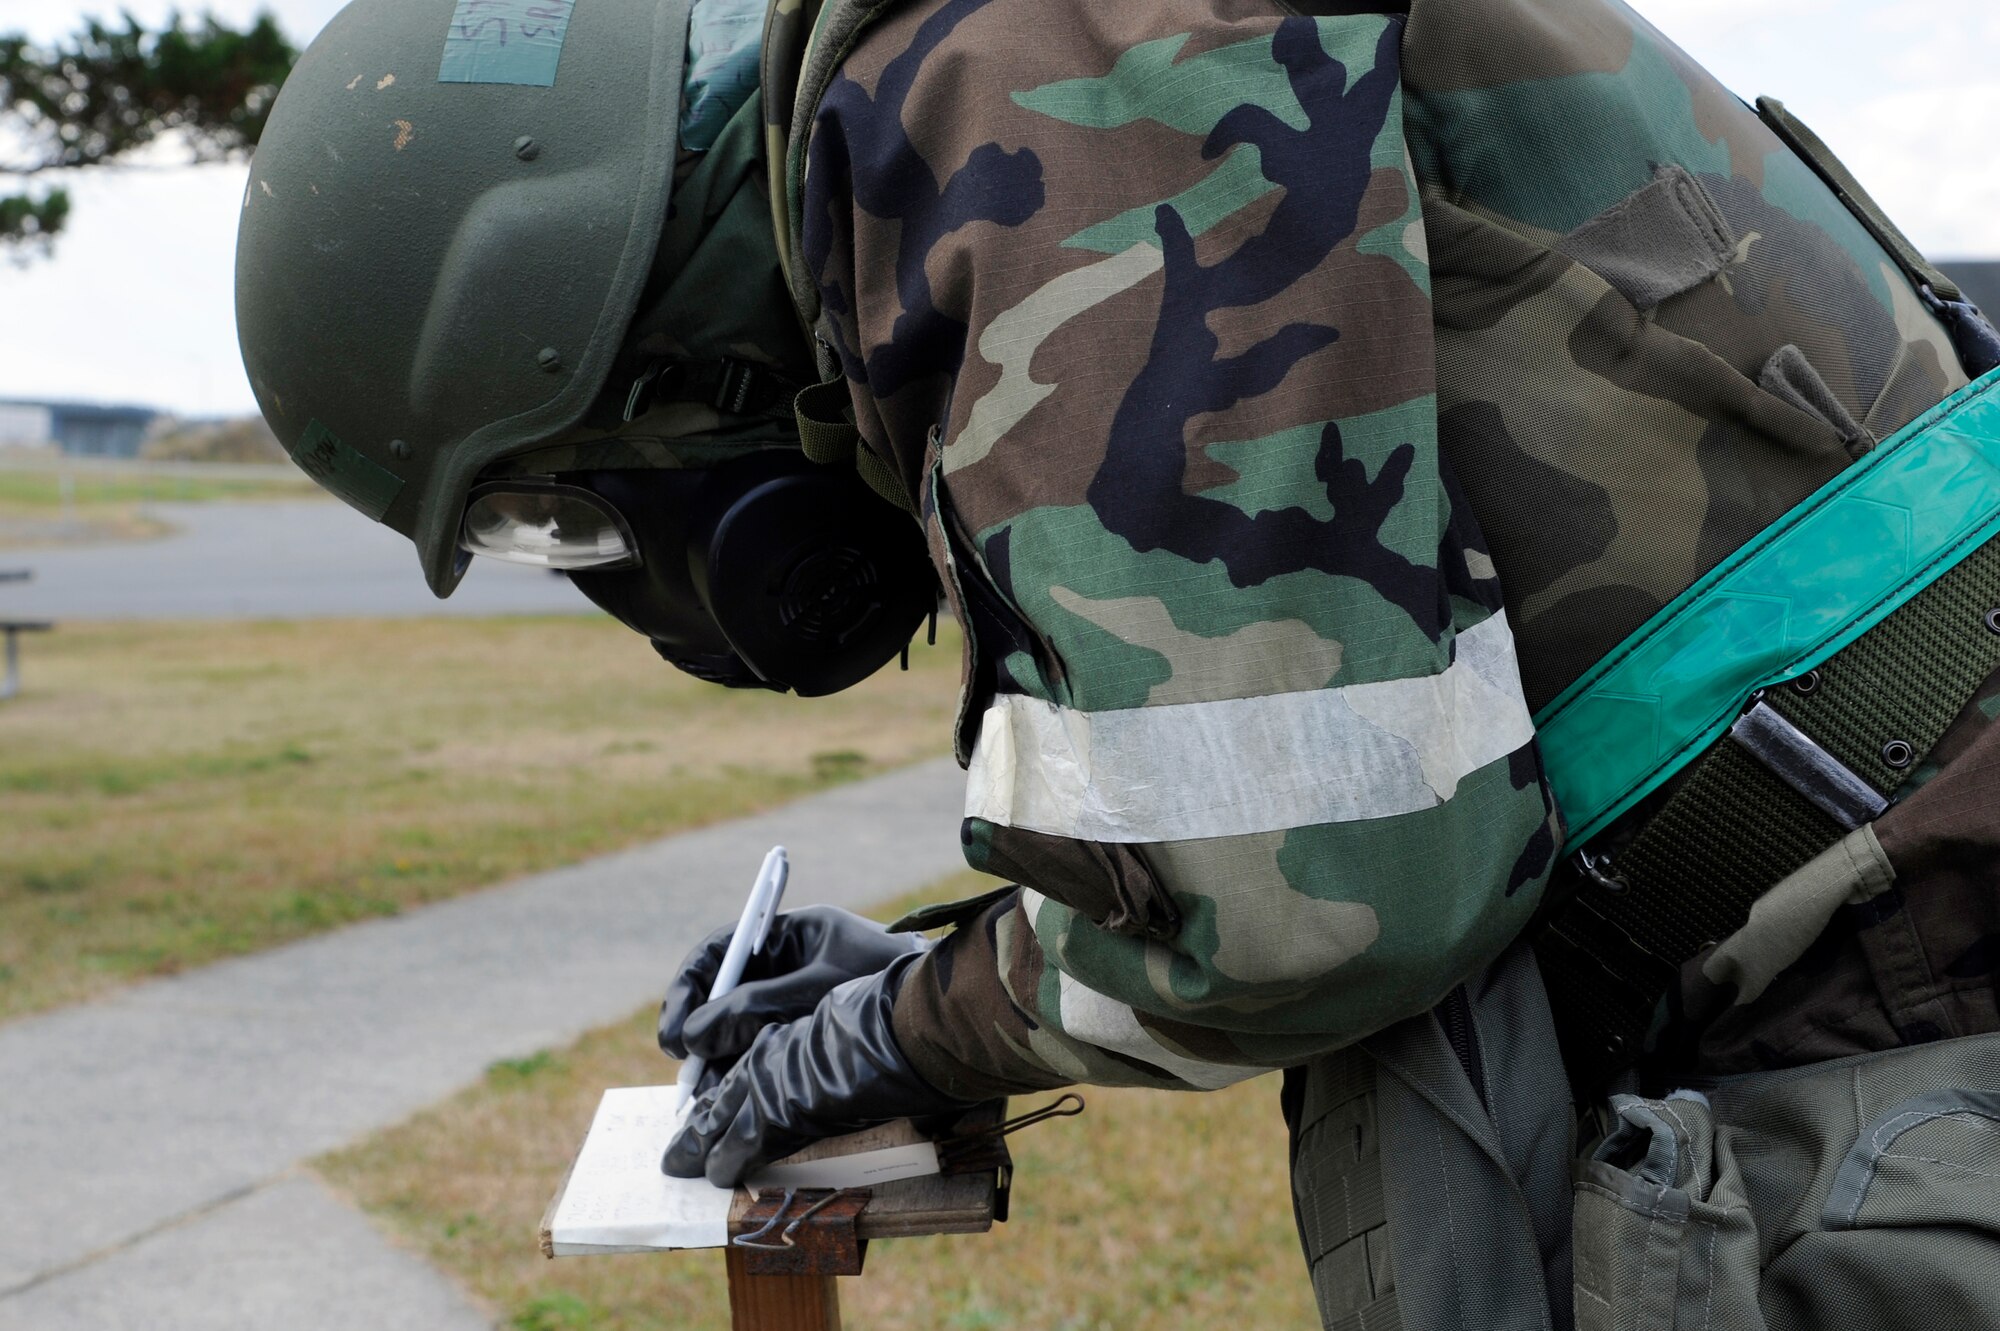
1863, 1192
1662, 1224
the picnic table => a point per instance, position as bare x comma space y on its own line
10, 683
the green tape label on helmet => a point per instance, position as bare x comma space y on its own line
506, 41
346, 473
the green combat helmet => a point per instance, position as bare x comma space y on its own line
447, 231
488, 296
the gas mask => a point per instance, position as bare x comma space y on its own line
763, 571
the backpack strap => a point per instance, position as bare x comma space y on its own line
1853, 667
788, 26
1972, 333
1812, 150
830, 437
805, 42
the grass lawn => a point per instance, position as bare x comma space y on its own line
1151, 1210
175, 793
107, 503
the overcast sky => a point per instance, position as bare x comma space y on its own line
136, 305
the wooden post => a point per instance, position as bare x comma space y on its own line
795, 1290
780, 1303
10, 678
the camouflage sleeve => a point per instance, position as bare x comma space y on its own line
1136, 299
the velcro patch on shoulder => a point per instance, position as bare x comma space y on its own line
1667, 238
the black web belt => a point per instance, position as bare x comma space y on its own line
1809, 762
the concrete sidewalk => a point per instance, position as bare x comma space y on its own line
289, 1254
167, 1117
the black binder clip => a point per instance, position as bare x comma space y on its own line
966, 1151
1069, 1106
981, 1149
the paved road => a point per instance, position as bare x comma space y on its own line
149, 1141
292, 560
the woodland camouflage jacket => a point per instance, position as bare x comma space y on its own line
1212, 337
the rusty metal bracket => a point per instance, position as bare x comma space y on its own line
793, 1236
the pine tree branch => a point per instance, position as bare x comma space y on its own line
115, 166
29, 224
108, 91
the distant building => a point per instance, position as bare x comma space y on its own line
22, 424
81, 429
1980, 279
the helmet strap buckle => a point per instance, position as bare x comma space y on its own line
729, 385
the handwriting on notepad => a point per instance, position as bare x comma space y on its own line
616, 1193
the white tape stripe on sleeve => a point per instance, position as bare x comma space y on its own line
1240, 766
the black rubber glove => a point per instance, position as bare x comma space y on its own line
808, 952
836, 1071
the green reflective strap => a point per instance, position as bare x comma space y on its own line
1815, 580
829, 436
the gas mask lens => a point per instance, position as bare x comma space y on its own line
548, 526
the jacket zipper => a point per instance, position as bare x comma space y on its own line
1455, 1015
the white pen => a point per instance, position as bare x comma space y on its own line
759, 912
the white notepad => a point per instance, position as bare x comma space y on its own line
617, 1200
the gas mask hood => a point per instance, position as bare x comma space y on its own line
764, 571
